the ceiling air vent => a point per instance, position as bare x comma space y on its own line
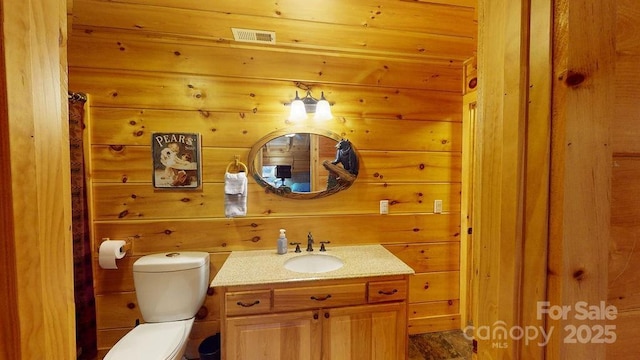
254, 36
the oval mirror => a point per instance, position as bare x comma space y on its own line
303, 163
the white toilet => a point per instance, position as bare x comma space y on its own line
170, 288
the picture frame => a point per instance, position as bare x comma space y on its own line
177, 161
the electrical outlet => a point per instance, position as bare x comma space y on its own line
437, 206
384, 207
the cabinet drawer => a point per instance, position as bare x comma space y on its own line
381, 291
319, 297
248, 302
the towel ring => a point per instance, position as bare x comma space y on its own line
239, 165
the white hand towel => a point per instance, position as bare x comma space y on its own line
235, 183
235, 194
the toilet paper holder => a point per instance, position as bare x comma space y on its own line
112, 250
124, 248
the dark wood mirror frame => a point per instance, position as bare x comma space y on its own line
343, 177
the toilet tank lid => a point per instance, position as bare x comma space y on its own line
171, 261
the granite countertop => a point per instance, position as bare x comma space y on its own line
266, 266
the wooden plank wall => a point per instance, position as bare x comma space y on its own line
624, 258
407, 132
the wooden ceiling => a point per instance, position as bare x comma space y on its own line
425, 33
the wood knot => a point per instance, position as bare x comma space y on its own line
202, 313
574, 79
131, 306
473, 83
116, 148
579, 274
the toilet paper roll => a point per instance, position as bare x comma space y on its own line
109, 252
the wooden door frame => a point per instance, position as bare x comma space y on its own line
37, 257
8, 275
544, 105
467, 279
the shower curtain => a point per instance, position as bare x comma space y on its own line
82, 265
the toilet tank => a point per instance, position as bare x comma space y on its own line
171, 286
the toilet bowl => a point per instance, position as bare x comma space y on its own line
153, 341
170, 288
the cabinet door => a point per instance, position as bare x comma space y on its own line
369, 332
291, 336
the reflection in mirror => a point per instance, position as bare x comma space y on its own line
303, 164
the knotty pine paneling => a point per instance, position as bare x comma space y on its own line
434, 308
175, 91
434, 286
141, 201
131, 163
403, 115
623, 269
625, 345
625, 129
223, 234
624, 259
118, 126
431, 257
627, 27
434, 323
134, 52
429, 16
309, 35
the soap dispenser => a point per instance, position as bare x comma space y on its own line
282, 242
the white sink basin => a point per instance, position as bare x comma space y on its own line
312, 263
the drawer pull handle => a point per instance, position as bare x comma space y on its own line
321, 298
382, 292
243, 304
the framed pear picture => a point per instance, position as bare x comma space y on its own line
177, 161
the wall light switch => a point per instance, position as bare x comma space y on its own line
437, 206
384, 207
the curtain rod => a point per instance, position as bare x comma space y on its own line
79, 96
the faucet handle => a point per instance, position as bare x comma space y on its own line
322, 246
297, 244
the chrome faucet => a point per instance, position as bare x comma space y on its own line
309, 242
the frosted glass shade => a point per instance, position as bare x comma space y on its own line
298, 112
323, 111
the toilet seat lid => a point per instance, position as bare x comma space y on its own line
150, 341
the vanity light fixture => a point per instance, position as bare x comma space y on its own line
321, 108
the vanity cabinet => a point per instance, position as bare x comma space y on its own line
348, 319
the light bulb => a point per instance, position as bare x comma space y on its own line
323, 110
298, 111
